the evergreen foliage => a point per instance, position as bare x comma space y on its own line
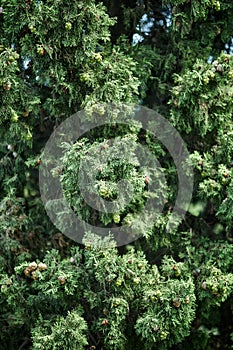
167, 290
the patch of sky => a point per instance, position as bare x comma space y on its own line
228, 50
146, 24
229, 47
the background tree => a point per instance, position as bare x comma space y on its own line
165, 290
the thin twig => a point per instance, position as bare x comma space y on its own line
24, 343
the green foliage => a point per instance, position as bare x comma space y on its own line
109, 178
116, 289
166, 290
204, 92
162, 321
68, 332
204, 95
112, 287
